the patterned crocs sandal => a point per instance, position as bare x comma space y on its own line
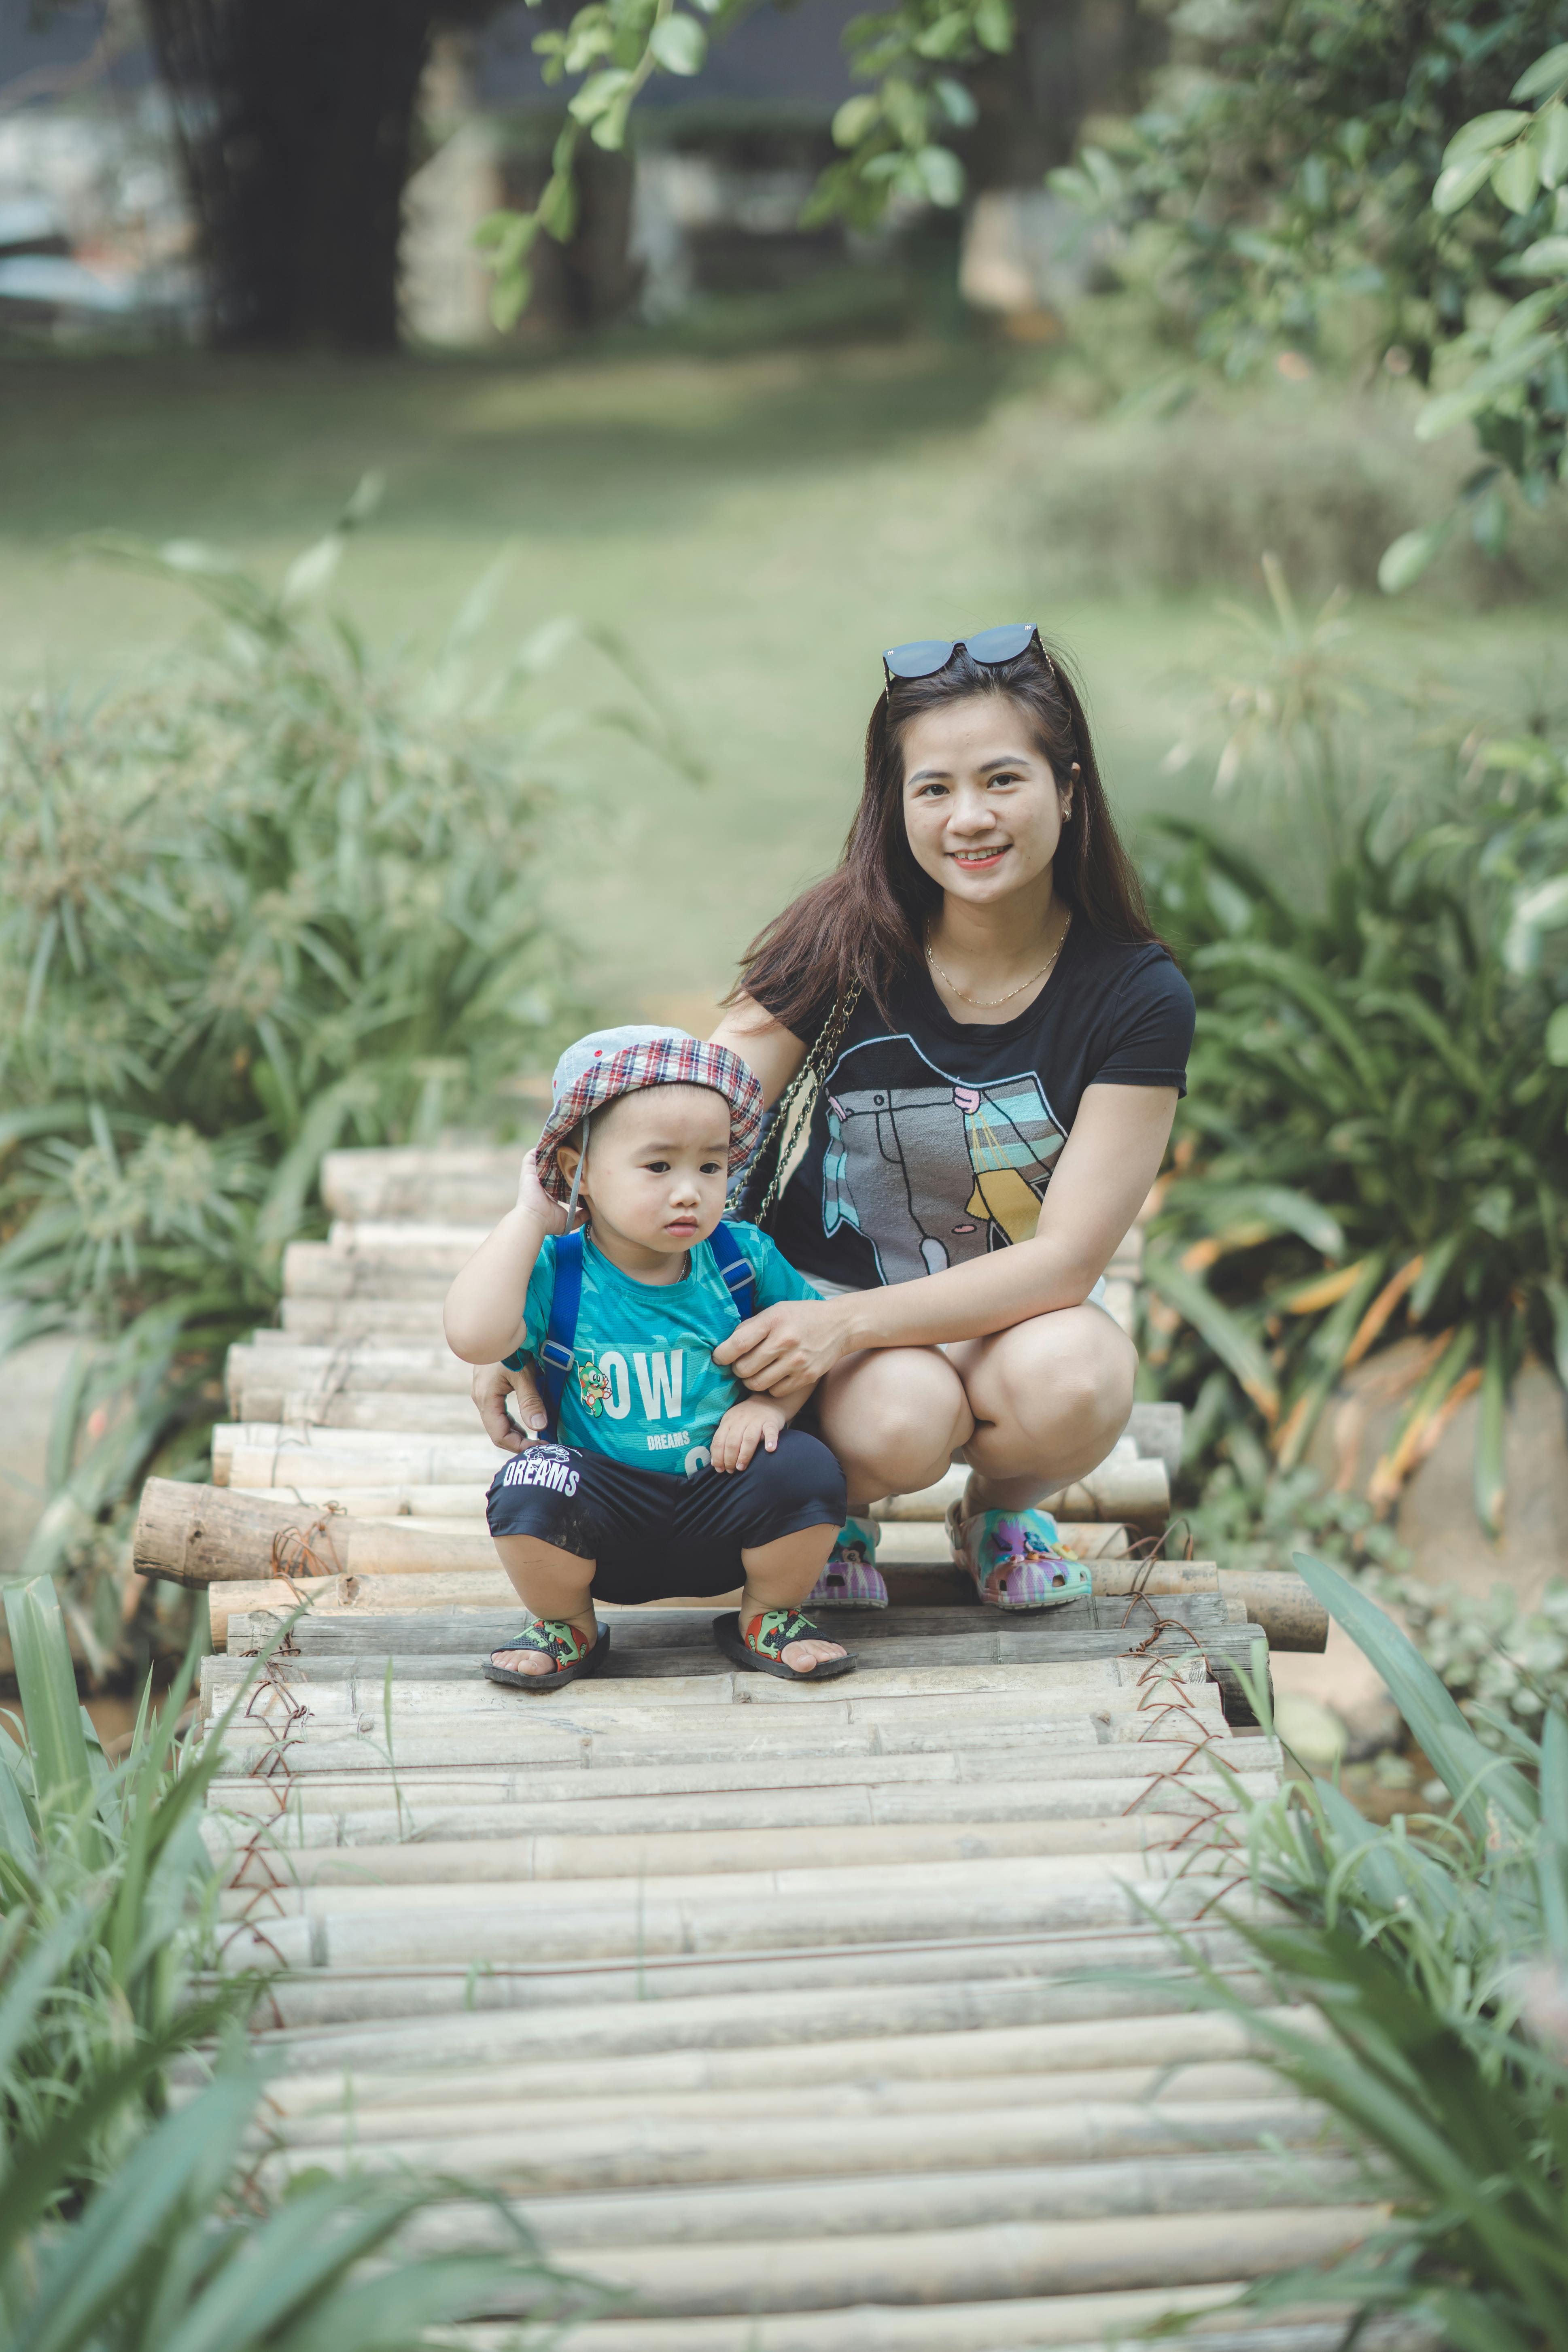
557, 1638
1016, 1558
851, 1579
761, 1646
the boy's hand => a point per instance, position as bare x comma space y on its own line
535, 1202
735, 1439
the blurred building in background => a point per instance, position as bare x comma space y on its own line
97, 236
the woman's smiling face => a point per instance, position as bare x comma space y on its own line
982, 808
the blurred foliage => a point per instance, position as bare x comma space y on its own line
1432, 1958
894, 135
1309, 173
1374, 1140
129, 2221
279, 899
1126, 501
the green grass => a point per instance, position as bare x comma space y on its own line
757, 525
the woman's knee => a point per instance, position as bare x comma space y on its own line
899, 1414
1040, 1386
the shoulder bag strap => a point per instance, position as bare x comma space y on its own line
797, 1105
557, 1355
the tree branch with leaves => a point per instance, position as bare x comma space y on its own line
893, 136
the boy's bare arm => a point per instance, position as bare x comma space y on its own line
484, 1311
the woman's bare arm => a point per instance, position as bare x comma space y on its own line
1099, 1185
764, 1044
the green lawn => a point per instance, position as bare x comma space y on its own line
757, 525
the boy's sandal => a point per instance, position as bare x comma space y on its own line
759, 1646
557, 1638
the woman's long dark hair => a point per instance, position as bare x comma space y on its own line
866, 921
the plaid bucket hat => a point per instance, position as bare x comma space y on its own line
612, 1062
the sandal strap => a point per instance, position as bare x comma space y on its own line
556, 1637
772, 1630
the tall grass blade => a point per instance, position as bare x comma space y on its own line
1551, 1859
1478, 1781
46, 1682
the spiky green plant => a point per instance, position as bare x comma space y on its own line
129, 2221
1433, 1954
280, 897
1374, 1142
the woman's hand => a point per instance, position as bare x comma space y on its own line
789, 1345
493, 1384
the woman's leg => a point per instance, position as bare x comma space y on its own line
1049, 1398
550, 1583
894, 1417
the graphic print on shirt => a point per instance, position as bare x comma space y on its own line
605, 1388
939, 1171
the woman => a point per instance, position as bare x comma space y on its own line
1005, 1043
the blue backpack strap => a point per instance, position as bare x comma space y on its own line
735, 1270
556, 1356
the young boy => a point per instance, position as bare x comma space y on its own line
658, 1473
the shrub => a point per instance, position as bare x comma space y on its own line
1434, 1954
279, 898
126, 2227
1139, 502
1374, 1137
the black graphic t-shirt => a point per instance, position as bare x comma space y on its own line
933, 1140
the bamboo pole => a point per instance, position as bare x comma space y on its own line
959, 1809
1059, 1773
621, 2154
444, 2015
1096, 2250
313, 2115
1085, 2323
836, 1870
651, 1853
476, 1185
364, 1928
326, 1322
1214, 2043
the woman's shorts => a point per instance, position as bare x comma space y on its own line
650, 1535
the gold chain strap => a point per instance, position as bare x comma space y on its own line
798, 1100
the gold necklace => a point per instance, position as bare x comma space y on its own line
990, 1004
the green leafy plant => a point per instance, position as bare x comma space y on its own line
131, 2220
1374, 184
894, 135
279, 897
1431, 1955
1373, 1142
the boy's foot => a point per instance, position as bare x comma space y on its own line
1016, 1558
780, 1642
851, 1579
550, 1652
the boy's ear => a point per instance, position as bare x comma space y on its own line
566, 1158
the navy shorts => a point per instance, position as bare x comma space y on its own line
651, 1535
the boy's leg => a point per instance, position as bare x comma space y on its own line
779, 1575
549, 1583
781, 1514
549, 1509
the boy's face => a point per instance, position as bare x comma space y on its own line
658, 1166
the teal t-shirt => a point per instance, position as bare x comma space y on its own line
643, 1388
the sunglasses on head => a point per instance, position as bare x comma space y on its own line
925, 655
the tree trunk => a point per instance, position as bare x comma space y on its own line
1069, 59
296, 124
